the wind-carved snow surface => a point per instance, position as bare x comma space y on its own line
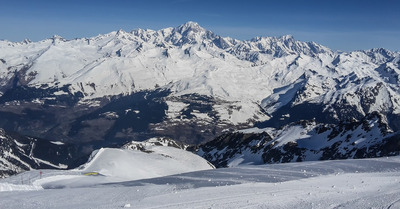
368, 183
267, 71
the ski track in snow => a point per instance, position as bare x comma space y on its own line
367, 183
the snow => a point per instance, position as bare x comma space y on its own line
110, 115
157, 161
174, 108
16, 142
57, 142
60, 166
245, 158
290, 134
281, 96
368, 183
11, 157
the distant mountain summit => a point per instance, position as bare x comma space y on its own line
189, 84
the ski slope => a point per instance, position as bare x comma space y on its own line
367, 183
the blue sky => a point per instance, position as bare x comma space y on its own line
338, 24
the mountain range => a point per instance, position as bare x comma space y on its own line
196, 87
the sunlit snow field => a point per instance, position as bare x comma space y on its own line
367, 183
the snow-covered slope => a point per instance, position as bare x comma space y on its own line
303, 141
370, 183
149, 162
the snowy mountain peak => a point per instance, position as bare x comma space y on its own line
120, 32
287, 37
190, 26
380, 55
283, 46
188, 33
57, 37
26, 41
380, 51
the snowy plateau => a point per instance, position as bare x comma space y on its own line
141, 119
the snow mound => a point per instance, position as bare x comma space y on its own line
110, 165
156, 161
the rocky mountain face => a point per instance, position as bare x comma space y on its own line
19, 153
158, 141
304, 141
192, 85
